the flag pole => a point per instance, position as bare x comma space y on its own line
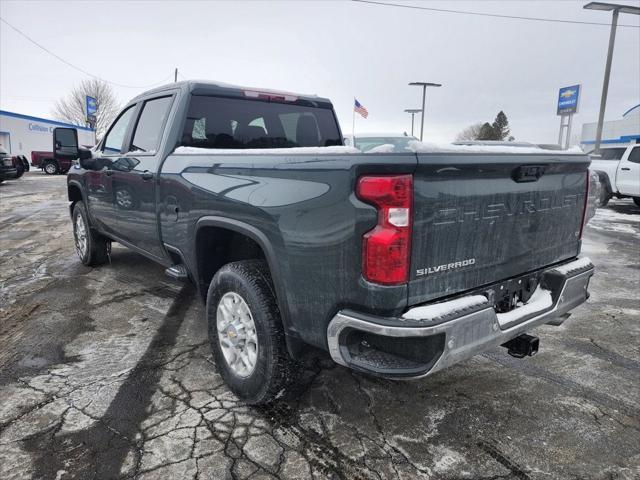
353, 125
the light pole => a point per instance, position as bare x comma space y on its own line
424, 86
413, 112
616, 9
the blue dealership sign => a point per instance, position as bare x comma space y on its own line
92, 106
568, 100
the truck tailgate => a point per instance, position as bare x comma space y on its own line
482, 218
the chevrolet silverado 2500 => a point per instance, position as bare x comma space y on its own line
396, 264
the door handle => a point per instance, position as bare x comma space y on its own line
625, 168
146, 175
108, 173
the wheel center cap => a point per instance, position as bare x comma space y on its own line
232, 333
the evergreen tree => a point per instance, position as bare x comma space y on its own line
500, 126
486, 132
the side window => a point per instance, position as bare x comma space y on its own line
634, 156
149, 128
115, 137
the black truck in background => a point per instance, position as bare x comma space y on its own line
396, 264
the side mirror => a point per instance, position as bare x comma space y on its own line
65, 144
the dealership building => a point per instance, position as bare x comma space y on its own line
22, 134
615, 133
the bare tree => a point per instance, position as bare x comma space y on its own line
470, 133
72, 107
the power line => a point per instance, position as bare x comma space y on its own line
482, 14
75, 67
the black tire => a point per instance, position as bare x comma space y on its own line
97, 248
51, 167
605, 196
636, 200
274, 368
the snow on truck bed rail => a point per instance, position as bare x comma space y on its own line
425, 147
335, 150
417, 147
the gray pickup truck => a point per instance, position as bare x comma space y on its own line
396, 264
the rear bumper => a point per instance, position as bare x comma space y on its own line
432, 337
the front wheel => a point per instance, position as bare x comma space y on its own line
636, 200
246, 334
92, 248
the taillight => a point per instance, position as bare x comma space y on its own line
386, 248
586, 205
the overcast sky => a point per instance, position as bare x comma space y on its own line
335, 49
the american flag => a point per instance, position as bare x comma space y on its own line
357, 107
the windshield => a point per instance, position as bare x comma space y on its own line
216, 122
367, 143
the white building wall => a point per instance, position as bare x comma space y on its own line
615, 132
22, 134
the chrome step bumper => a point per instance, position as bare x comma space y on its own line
470, 326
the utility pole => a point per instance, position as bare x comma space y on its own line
413, 112
616, 9
175, 75
424, 86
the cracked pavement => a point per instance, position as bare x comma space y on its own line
107, 373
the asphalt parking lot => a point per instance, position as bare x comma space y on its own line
106, 373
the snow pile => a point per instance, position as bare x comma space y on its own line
385, 148
424, 147
438, 310
334, 150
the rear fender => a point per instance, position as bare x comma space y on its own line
269, 252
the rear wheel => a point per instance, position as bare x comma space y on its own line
636, 200
246, 334
605, 194
51, 167
92, 248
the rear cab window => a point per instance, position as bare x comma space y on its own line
149, 128
238, 123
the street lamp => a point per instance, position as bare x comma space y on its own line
616, 9
424, 86
413, 112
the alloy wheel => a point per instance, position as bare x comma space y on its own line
237, 334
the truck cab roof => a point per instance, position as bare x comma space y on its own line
212, 87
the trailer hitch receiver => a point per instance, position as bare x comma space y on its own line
522, 346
